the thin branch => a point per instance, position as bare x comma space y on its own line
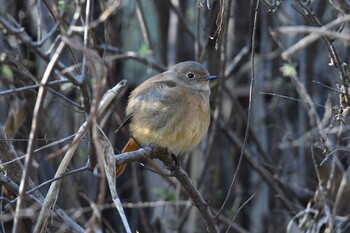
33, 133
316, 30
29, 87
255, 7
86, 35
138, 57
333, 53
159, 153
27, 40
103, 17
181, 18
273, 7
323, 193
307, 40
142, 21
265, 174
13, 177
239, 209
289, 98
85, 168
52, 194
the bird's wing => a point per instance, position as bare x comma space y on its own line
154, 90
158, 96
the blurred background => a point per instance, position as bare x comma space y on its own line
291, 86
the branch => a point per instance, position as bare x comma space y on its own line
181, 18
255, 7
333, 53
52, 194
317, 30
12, 179
152, 152
33, 133
25, 39
315, 35
138, 57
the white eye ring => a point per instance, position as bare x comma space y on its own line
190, 75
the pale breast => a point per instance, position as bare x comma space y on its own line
177, 124
188, 126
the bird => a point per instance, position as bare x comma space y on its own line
170, 110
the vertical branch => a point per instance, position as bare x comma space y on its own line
33, 134
255, 6
142, 20
197, 37
86, 35
34, 127
333, 53
39, 20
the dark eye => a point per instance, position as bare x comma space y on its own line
190, 75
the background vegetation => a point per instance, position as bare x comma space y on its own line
276, 155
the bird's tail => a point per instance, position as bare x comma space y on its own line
131, 145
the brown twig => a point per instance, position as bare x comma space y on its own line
265, 174
13, 177
197, 199
142, 21
138, 57
333, 53
25, 39
316, 34
321, 31
51, 196
32, 136
85, 168
181, 18
255, 6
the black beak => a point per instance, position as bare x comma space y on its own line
211, 77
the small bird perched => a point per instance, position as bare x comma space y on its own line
170, 110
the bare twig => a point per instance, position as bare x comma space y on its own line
142, 21
85, 168
321, 31
24, 38
13, 177
272, 6
239, 209
255, 6
197, 199
265, 174
32, 137
103, 17
51, 196
326, 206
181, 18
29, 87
138, 57
315, 35
86, 35
333, 53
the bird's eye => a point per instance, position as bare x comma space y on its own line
190, 75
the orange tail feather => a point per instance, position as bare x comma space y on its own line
131, 145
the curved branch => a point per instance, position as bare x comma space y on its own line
180, 174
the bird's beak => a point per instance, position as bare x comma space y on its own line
211, 77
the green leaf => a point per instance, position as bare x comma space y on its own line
66, 86
144, 49
6, 71
81, 153
61, 5
230, 213
165, 194
288, 70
